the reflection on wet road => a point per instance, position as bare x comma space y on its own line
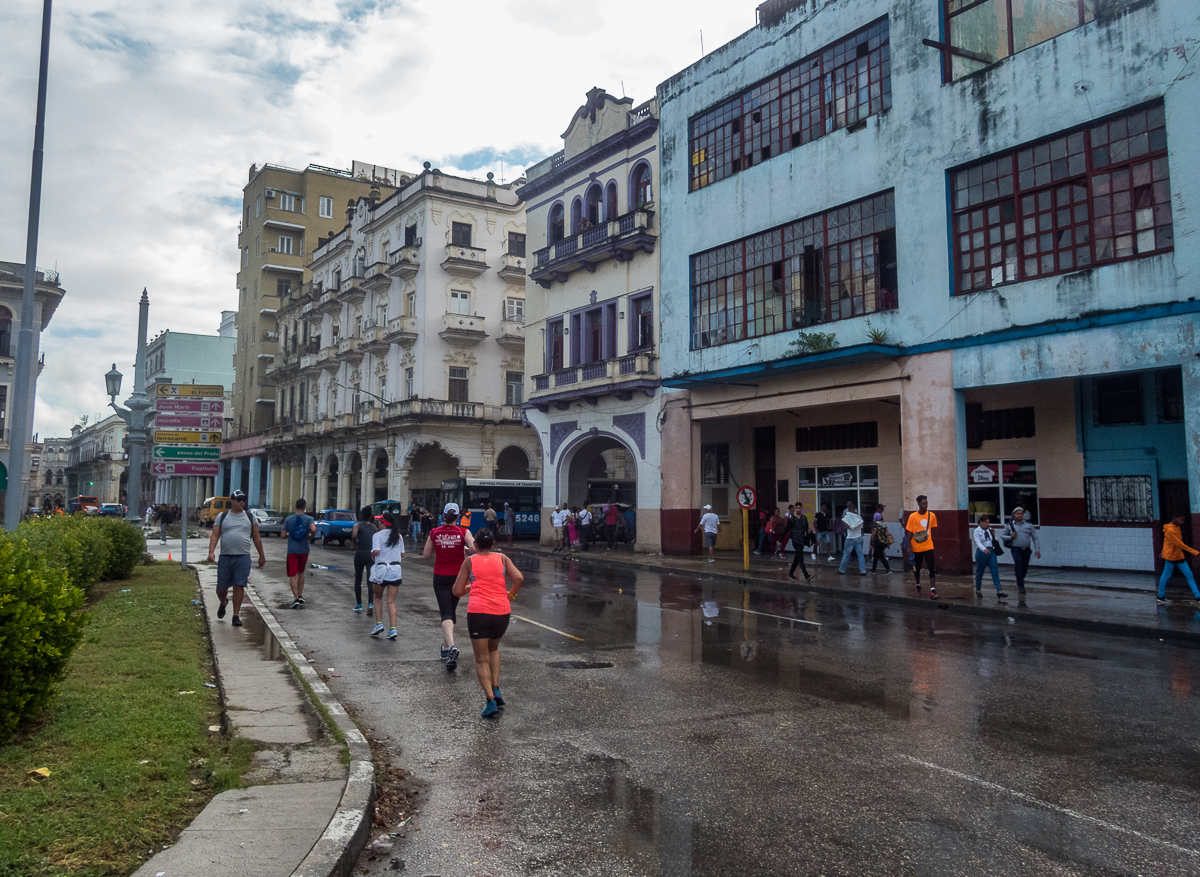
660, 725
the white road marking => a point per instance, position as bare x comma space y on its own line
1038, 802
547, 627
769, 615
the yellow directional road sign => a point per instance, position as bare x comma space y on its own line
212, 391
179, 437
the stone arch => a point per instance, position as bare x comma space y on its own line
512, 463
429, 464
579, 479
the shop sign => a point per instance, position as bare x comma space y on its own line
838, 479
984, 473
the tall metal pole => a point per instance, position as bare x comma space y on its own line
22, 402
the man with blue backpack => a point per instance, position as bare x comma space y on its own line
297, 529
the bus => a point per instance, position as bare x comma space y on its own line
525, 497
89, 505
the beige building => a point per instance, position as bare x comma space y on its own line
47, 295
402, 364
284, 212
52, 475
96, 460
592, 310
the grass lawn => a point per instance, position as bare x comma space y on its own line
130, 756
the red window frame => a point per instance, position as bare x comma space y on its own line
959, 61
1089, 196
830, 266
836, 87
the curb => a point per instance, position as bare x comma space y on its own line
1110, 628
334, 853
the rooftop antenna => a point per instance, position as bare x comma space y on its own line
622, 88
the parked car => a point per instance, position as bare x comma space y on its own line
212, 507
270, 522
112, 510
335, 525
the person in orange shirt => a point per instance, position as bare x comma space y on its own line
1174, 558
920, 528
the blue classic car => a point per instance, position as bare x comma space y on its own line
335, 524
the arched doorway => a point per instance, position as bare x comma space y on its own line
599, 470
512, 464
430, 466
381, 477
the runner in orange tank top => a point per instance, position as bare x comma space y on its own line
483, 577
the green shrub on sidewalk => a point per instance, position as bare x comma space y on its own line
40, 626
83, 547
128, 546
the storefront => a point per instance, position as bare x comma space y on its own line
837, 485
996, 487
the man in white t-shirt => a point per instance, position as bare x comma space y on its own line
558, 519
710, 523
585, 526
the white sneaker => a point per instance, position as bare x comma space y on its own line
711, 560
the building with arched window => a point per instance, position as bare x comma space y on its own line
591, 299
47, 295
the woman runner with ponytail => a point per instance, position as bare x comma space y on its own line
387, 546
482, 576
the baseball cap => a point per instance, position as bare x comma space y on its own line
238, 495
450, 507
708, 508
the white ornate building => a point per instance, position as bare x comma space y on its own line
402, 364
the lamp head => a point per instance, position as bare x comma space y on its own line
113, 382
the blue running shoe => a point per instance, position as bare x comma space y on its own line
378, 630
358, 608
497, 696
490, 710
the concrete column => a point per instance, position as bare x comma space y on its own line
1191, 437
322, 490
235, 475
343, 485
933, 453
252, 495
368, 480
219, 486
272, 489
680, 479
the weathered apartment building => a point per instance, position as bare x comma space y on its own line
591, 311
938, 247
402, 363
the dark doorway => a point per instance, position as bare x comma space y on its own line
1173, 499
764, 467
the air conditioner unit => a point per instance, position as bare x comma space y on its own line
273, 250
418, 242
270, 193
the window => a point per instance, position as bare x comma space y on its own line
458, 384
576, 216
838, 485
1168, 385
837, 437
831, 266
381, 314
514, 383
1119, 498
1101, 194
408, 383
285, 244
460, 234
1000, 423
642, 324
594, 207
996, 487
714, 464
283, 288
642, 194
514, 310
554, 345
325, 207
245, 256
557, 224
254, 287
6, 319
833, 88
460, 302
982, 32
516, 244
610, 202
1117, 399
257, 205
411, 302
257, 248
410, 236
287, 201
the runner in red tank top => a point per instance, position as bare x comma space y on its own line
447, 545
483, 577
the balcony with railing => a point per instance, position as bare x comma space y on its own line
619, 239
402, 331
328, 303
462, 329
352, 290
374, 339
405, 263
441, 409
512, 267
350, 350
464, 261
377, 277
511, 335
327, 354
621, 377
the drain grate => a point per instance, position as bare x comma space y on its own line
579, 665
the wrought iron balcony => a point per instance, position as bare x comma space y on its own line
617, 239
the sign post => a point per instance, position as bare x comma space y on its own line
746, 498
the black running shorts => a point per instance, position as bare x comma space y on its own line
483, 626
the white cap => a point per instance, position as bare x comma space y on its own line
450, 507
708, 508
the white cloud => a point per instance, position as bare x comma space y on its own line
157, 108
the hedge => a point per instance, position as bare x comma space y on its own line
47, 568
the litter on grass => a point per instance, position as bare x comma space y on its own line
40, 772
187, 692
209, 685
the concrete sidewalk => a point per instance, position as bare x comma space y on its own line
306, 813
1116, 603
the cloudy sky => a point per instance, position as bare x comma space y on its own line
156, 110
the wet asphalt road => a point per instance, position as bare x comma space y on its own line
732, 731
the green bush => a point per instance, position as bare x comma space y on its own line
128, 546
40, 626
80, 546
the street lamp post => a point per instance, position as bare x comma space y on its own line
135, 415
